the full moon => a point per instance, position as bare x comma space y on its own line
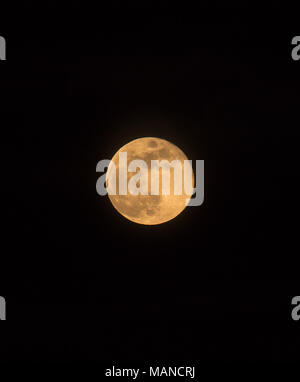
149, 209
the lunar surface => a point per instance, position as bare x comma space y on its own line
149, 209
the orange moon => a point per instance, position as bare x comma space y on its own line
149, 209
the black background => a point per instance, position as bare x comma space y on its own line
82, 282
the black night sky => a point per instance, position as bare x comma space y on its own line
83, 283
